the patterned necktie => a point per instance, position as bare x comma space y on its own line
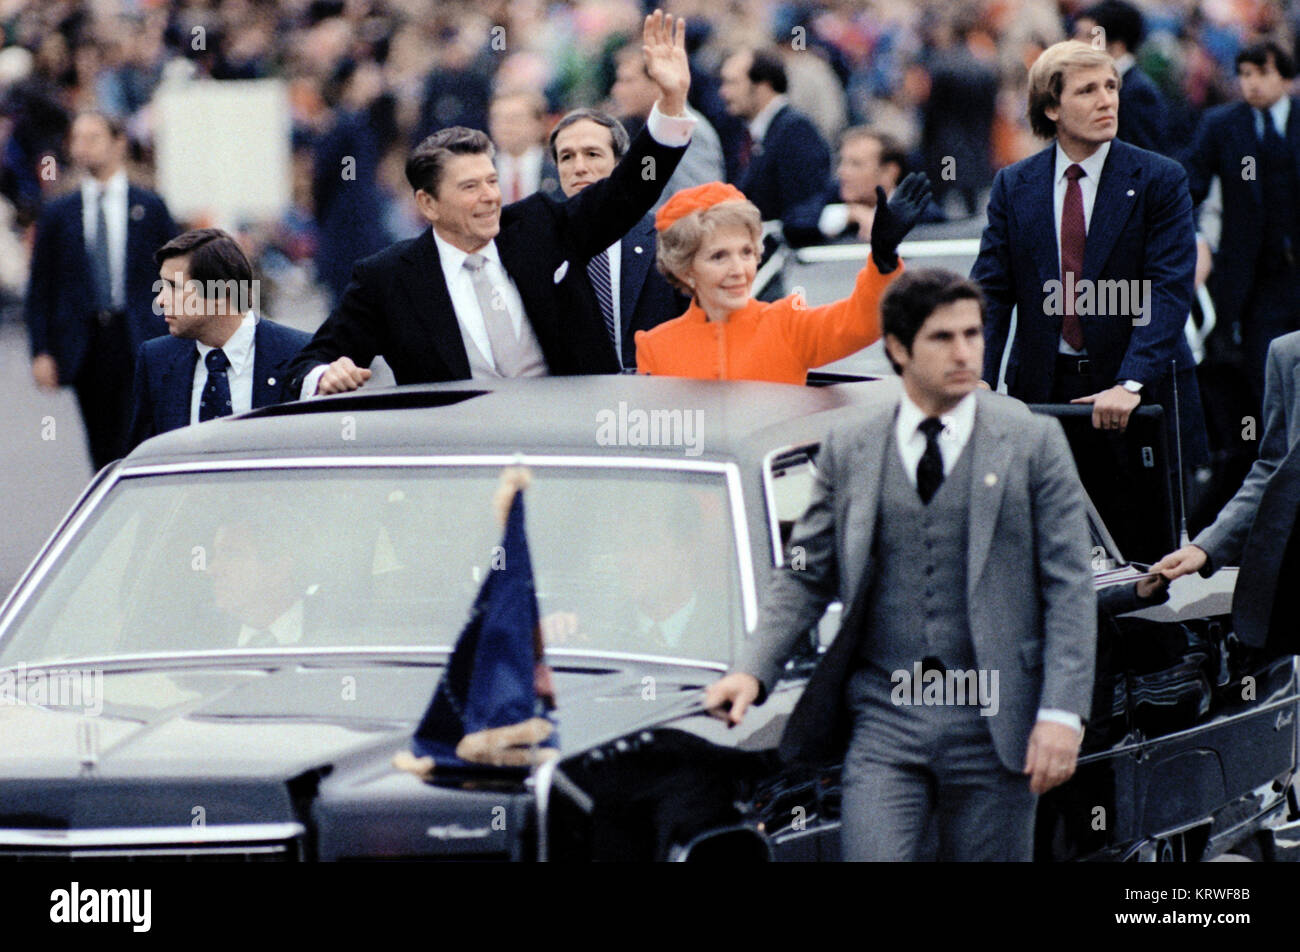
598, 272
215, 401
1073, 235
101, 270
929, 471
500, 329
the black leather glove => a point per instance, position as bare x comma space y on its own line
895, 218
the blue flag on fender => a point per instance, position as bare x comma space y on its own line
490, 707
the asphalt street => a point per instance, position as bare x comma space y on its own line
45, 464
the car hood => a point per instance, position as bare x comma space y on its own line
229, 737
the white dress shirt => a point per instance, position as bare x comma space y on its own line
1092, 167
287, 629
239, 351
115, 212
759, 124
1280, 111
460, 286
958, 426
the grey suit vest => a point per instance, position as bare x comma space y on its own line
917, 603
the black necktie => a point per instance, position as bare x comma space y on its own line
929, 472
598, 272
215, 401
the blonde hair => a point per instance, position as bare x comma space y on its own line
679, 242
1047, 79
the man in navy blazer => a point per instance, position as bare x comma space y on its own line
482, 293
1091, 240
1256, 276
789, 161
586, 145
89, 302
220, 357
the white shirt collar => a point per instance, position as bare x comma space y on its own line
673, 627
287, 629
453, 259
1124, 63
115, 187
758, 125
239, 349
1281, 111
1092, 165
958, 423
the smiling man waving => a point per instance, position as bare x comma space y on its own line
481, 293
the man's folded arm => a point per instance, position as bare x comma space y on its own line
354, 330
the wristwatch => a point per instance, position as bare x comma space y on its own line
1132, 386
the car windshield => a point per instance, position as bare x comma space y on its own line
629, 560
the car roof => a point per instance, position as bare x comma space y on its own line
551, 416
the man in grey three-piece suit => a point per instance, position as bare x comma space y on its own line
1223, 542
951, 522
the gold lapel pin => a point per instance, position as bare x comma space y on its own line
991, 479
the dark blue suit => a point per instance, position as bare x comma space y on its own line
164, 377
645, 299
1141, 230
1142, 112
1228, 146
786, 174
95, 357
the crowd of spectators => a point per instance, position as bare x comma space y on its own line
369, 78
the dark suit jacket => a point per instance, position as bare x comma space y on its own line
60, 297
1225, 139
1225, 539
1141, 230
646, 299
397, 303
786, 173
164, 377
1142, 112
349, 211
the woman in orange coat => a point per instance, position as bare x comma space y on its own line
709, 240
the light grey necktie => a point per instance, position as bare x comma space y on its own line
507, 353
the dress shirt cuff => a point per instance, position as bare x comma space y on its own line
1068, 718
674, 131
834, 219
310, 382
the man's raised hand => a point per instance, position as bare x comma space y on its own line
664, 39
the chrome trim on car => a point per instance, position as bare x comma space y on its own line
857, 251
153, 835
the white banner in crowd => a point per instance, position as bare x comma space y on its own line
223, 150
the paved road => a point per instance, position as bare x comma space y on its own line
44, 464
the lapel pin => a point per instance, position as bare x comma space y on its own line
991, 479
637, 249
270, 381
560, 272
137, 213
1131, 193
